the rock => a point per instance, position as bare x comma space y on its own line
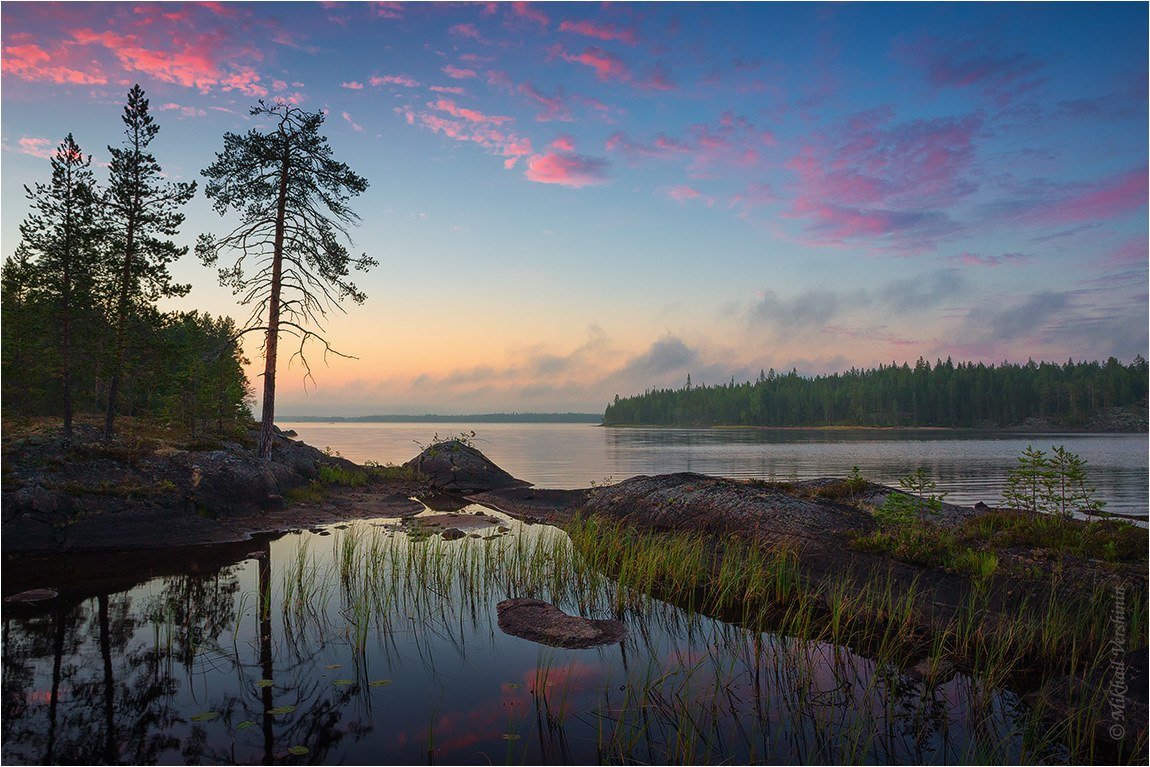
33, 595
289, 433
275, 502
256, 555
460, 468
981, 506
453, 534
546, 624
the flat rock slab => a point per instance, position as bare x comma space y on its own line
545, 623
465, 522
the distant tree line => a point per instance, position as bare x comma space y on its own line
82, 332
971, 395
437, 418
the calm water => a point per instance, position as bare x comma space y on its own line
970, 467
359, 645
406, 664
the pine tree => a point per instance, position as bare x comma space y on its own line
60, 234
1028, 485
143, 213
290, 262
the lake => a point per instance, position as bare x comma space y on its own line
361, 644
969, 466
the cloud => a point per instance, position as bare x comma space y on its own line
33, 146
453, 89
957, 62
530, 12
458, 73
185, 111
1106, 199
885, 184
667, 355
683, 193
564, 143
388, 10
468, 31
555, 108
605, 32
352, 85
404, 80
607, 65
356, 127
567, 169
732, 141
980, 259
815, 308
471, 115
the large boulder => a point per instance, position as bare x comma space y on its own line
460, 468
545, 623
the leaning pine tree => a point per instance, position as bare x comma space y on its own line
290, 264
59, 255
143, 211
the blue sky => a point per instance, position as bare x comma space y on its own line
571, 200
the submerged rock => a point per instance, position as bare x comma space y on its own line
545, 623
452, 534
460, 468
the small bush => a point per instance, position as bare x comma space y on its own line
338, 475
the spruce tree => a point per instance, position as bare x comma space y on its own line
58, 257
143, 213
290, 263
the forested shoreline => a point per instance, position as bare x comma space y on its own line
1106, 395
83, 334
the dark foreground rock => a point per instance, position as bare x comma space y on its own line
545, 623
88, 494
460, 468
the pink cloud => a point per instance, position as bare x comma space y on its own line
356, 127
658, 79
891, 184
469, 31
530, 12
183, 110
1110, 198
564, 143
471, 115
966, 63
753, 196
31, 62
979, 259
36, 147
352, 85
607, 65
683, 193
453, 89
403, 80
515, 149
604, 32
458, 73
388, 10
1133, 252
571, 170
555, 107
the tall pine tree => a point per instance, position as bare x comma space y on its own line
289, 261
58, 257
143, 212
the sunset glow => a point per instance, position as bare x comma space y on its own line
572, 201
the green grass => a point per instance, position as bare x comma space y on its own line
1111, 540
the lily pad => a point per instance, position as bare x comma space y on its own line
207, 716
282, 710
297, 750
264, 683
245, 725
378, 682
343, 682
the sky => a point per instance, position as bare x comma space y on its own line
570, 201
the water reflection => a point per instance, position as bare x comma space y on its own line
367, 646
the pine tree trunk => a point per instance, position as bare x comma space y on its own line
269, 404
121, 321
66, 321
